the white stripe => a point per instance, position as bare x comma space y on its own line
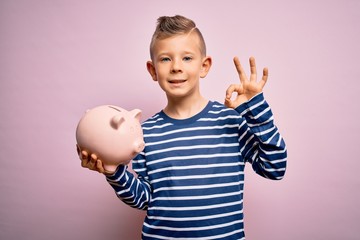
124, 190
191, 129
246, 143
222, 110
192, 147
252, 107
118, 179
157, 126
265, 131
220, 118
153, 121
192, 157
189, 177
273, 161
191, 138
220, 195
244, 134
274, 169
139, 169
242, 124
221, 236
194, 228
219, 106
269, 170
195, 208
256, 105
182, 219
196, 167
139, 161
273, 151
261, 113
255, 153
274, 135
251, 125
279, 141
199, 186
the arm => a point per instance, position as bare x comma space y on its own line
260, 141
133, 191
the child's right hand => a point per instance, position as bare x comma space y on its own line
91, 161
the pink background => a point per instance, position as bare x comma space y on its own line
58, 58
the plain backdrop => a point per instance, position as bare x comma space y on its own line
61, 57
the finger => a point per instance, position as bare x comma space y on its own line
92, 162
84, 159
233, 88
239, 69
84, 163
252, 69
84, 155
78, 150
99, 166
264, 77
228, 103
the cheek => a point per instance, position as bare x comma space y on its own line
161, 72
195, 70
162, 86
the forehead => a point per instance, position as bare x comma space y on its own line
178, 43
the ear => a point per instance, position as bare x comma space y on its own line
205, 67
136, 113
151, 69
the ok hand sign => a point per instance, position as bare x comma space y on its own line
247, 87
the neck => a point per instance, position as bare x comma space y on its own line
185, 108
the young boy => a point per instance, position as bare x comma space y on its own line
191, 172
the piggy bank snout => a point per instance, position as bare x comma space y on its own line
139, 146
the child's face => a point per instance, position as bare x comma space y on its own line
178, 64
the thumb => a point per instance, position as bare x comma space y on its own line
229, 103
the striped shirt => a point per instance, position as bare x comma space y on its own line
191, 172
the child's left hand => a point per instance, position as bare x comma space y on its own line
247, 88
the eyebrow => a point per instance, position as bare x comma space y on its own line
183, 52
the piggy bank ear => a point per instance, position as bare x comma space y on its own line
116, 121
136, 113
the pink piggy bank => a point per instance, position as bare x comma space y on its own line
112, 133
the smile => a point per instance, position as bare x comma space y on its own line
177, 81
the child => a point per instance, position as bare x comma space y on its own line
191, 172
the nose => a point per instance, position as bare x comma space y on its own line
176, 66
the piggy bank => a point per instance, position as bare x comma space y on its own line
112, 133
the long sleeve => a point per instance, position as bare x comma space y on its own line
132, 190
190, 176
260, 141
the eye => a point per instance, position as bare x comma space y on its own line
187, 58
164, 59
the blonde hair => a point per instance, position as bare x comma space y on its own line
170, 26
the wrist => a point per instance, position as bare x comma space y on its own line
244, 107
115, 174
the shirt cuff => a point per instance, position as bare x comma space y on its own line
118, 174
246, 106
